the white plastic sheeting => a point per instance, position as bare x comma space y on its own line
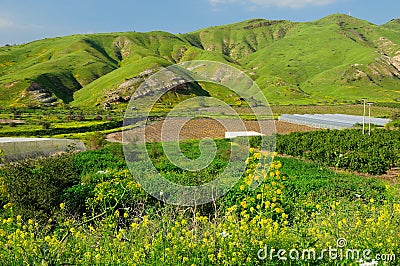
234, 134
331, 121
18, 148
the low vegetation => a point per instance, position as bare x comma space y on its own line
333, 60
104, 217
345, 149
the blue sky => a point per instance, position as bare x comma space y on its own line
24, 21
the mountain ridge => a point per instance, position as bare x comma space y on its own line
335, 59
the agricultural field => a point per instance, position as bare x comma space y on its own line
377, 110
297, 195
57, 122
346, 149
94, 212
87, 208
207, 127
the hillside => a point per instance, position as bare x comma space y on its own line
334, 59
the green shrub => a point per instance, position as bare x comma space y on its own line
96, 140
108, 158
45, 124
2, 155
34, 187
75, 197
61, 130
347, 149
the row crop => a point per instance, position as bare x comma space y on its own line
346, 149
62, 130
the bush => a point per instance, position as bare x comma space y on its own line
59, 131
111, 157
98, 118
45, 124
96, 140
2, 155
34, 187
395, 115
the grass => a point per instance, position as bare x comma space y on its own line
106, 218
298, 63
55, 129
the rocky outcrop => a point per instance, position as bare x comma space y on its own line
153, 85
40, 94
386, 65
123, 92
122, 47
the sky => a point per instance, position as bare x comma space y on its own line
29, 20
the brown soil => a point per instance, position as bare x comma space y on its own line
201, 128
7, 121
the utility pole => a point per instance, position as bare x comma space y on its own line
369, 118
365, 101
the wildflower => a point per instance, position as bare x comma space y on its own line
278, 191
259, 196
242, 187
224, 234
272, 174
62, 206
340, 224
372, 200
211, 257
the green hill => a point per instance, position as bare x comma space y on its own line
338, 58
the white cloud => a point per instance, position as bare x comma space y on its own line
277, 3
215, 2
6, 23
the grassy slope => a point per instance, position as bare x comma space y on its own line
317, 60
62, 65
292, 62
